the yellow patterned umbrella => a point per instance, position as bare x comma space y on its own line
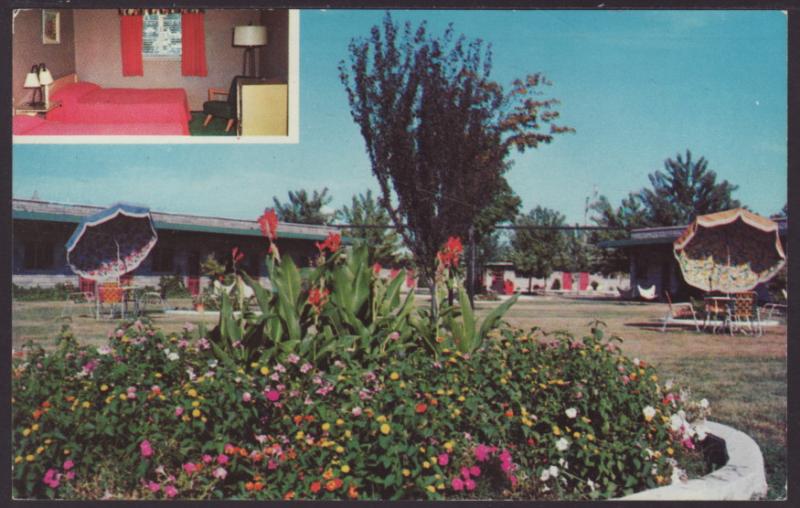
730, 251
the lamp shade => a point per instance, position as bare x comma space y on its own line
31, 80
45, 78
250, 35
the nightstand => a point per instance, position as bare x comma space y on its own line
26, 108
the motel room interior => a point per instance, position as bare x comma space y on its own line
170, 72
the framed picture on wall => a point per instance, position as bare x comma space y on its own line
51, 27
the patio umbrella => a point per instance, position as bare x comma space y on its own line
731, 251
111, 242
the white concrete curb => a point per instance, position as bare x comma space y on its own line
741, 479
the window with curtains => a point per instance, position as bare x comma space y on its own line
162, 36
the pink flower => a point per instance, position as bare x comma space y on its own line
70, 475
356, 411
688, 443
272, 395
207, 458
444, 459
170, 491
178, 411
272, 464
153, 486
220, 473
246, 397
306, 367
145, 448
293, 358
465, 472
475, 471
51, 478
394, 336
190, 467
469, 484
457, 484
482, 452
626, 380
68, 464
222, 458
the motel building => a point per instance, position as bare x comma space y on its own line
41, 230
653, 263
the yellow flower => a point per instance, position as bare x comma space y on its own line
386, 428
67, 452
394, 376
340, 449
30, 457
576, 435
192, 392
339, 422
449, 446
122, 396
109, 399
430, 488
48, 441
161, 397
406, 473
34, 427
345, 469
348, 434
40, 449
670, 451
326, 426
300, 435
426, 465
185, 418
103, 387
461, 398
26, 432
195, 412
17, 459
402, 384
264, 371
203, 419
422, 449
158, 375
380, 419
195, 403
590, 437
556, 430
254, 365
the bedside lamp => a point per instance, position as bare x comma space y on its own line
250, 37
32, 81
45, 79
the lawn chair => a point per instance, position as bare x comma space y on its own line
782, 308
744, 312
682, 311
109, 293
648, 293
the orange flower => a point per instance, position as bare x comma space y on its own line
309, 418
269, 224
258, 486
334, 484
46, 403
298, 419
249, 486
37, 413
288, 496
352, 492
509, 413
328, 474
315, 486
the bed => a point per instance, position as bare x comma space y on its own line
24, 125
83, 102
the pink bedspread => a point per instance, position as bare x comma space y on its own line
97, 105
57, 128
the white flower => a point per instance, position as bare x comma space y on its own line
678, 475
571, 412
553, 471
220, 473
636, 361
668, 384
562, 444
701, 432
563, 463
173, 356
213, 363
648, 413
591, 485
704, 403
545, 475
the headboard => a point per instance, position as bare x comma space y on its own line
60, 83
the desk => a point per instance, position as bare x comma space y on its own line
27, 108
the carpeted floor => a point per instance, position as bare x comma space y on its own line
215, 128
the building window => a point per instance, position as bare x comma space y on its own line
38, 255
163, 259
162, 36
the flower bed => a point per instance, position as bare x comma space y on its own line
341, 389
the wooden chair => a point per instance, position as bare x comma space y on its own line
744, 312
683, 310
222, 108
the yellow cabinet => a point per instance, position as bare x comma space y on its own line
263, 108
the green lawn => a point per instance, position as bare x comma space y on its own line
743, 377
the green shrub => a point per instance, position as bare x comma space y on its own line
58, 292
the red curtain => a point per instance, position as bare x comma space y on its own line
131, 38
193, 44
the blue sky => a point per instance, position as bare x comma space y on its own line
638, 87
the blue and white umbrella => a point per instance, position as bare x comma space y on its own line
112, 242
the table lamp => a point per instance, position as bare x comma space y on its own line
32, 81
45, 79
249, 36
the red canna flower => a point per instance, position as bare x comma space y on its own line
237, 255
411, 280
331, 243
376, 268
451, 251
269, 224
317, 298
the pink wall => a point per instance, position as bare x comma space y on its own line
274, 61
28, 50
97, 54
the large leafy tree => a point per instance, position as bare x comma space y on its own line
628, 215
383, 244
304, 209
537, 248
438, 131
684, 190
